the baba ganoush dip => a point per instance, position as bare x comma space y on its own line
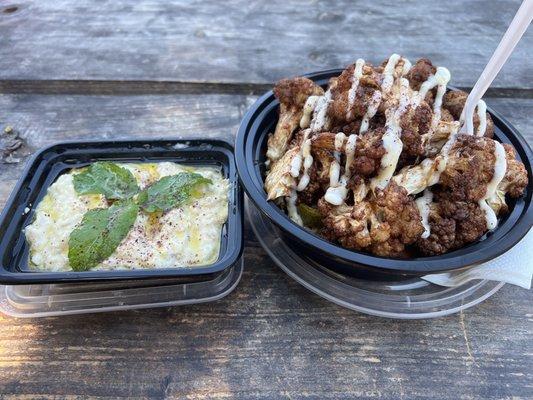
188, 234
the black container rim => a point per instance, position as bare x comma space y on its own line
224, 261
473, 254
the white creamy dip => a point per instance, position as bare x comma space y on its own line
188, 235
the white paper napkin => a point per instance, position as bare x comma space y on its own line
514, 267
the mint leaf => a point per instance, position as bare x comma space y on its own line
106, 178
170, 191
99, 234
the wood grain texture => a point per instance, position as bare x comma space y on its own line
46, 119
249, 41
271, 338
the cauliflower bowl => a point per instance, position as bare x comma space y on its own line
396, 191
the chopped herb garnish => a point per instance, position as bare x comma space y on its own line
170, 191
102, 230
106, 178
99, 234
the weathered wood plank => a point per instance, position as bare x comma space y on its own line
249, 41
46, 119
269, 339
517, 112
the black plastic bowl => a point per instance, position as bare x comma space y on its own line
250, 150
46, 165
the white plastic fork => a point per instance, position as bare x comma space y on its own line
518, 26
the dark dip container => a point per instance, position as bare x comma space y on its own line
250, 153
46, 165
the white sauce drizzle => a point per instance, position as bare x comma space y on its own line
334, 171
391, 139
320, 118
500, 167
296, 162
335, 168
388, 73
296, 165
336, 194
441, 161
303, 156
309, 107
393, 148
372, 109
339, 141
357, 74
424, 206
406, 66
481, 110
360, 192
482, 114
442, 76
292, 210
308, 161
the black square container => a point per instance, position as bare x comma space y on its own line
45, 167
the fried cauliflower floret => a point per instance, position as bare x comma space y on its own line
415, 123
349, 128
453, 224
323, 159
454, 101
442, 236
399, 222
341, 111
413, 146
416, 178
368, 150
515, 180
445, 128
294, 92
318, 176
347, 225
279, 181
313, 190
513, 183
368, 153
417, 119
384, 224
469, 218
420, 72
469, 167
292, 95
324, 141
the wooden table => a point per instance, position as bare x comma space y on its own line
115, 69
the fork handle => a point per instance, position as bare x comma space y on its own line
518, 26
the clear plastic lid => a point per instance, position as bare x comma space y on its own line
412, 298
63, 299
